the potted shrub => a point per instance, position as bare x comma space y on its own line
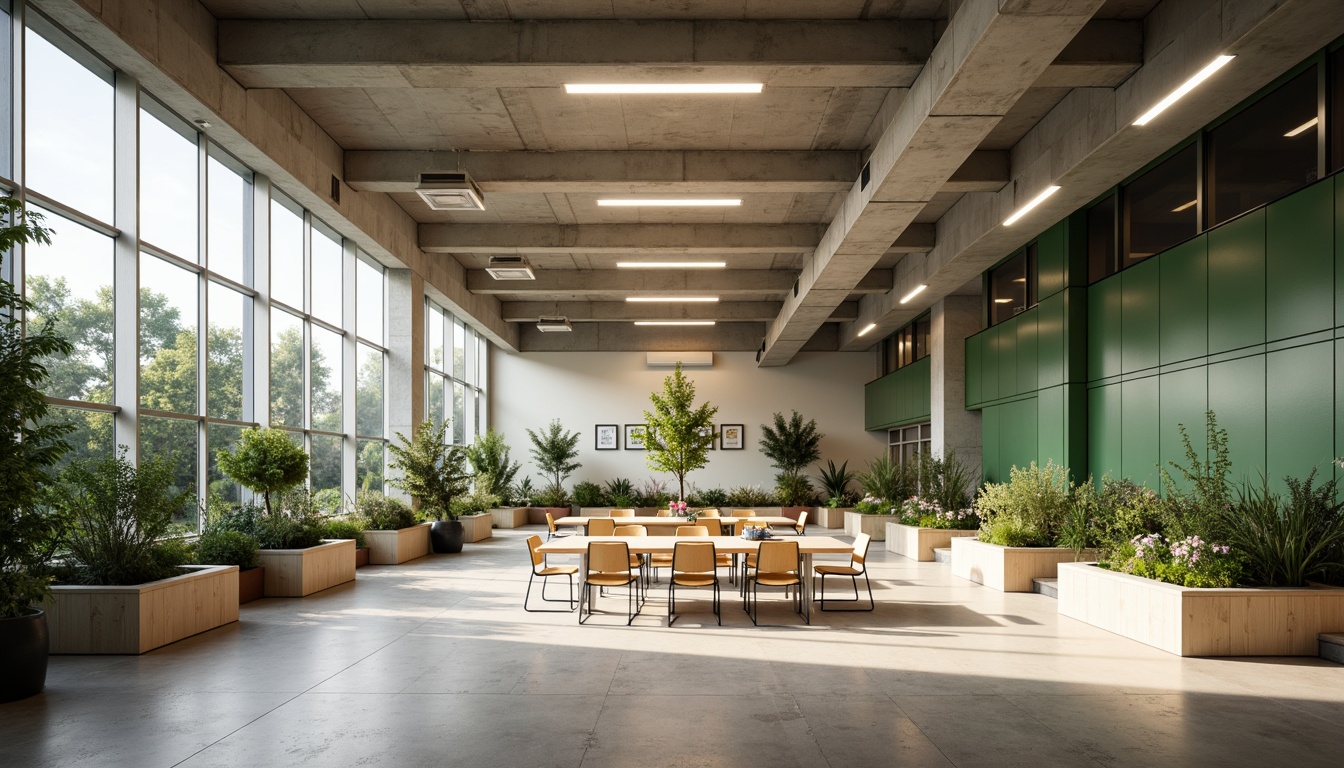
940, 511
838, 499
30, 446
348, 527
678, 436
473, 512
554, 450
432, 472
225, 547
394, 534
489, 459
590, 499
752, 497
885, 485
791, 445
121, 585
265, 461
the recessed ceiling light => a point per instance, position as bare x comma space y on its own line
674, 322
662, 88
671, 264
1019, 279
913, 294
675, 202
1301, 128
867, 328
1185, 206
1002, 301
1035, 201
673, 298
1186, 87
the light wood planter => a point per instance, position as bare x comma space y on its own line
828, 517
873, 525
918, 543
1201, 622
1009, 569
139, 618
301, 572
396, 547
476, 527
509, 518
537, 515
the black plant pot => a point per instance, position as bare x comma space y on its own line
445, 536
24, 648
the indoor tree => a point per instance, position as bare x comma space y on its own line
791, 445
555, 450
676, 434
266, 461
489, 459
432, 471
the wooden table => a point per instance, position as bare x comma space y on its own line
664, 525
732, 545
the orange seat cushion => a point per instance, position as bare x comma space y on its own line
610, 579
838, 570
693, 580
776, 579
558, 570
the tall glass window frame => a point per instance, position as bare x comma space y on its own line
455, 388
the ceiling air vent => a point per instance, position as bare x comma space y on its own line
451, 191
510, 268
554, 325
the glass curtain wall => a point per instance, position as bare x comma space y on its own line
455, 376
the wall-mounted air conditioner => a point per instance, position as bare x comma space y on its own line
452, 191
510, 268
687, 359
554, 325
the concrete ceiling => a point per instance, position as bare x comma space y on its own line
934, 103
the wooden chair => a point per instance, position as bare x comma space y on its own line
664, 513
539, 568
779, 564
659, 560
693, 565
622, 513
552, 530
801, 525
711, 512
601, 526
636, 561
854, 570
609, 566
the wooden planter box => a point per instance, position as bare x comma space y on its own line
1201, 622
476, 527
396, 547
537, 515
828, 517
918, 543
139, 618
251, 584
1009, 569
873, 525
301, 572
361, 557
509, 518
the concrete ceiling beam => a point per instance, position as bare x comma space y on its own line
625, 312
619, 238
983, 171
978, 70
632, 172
1103, 54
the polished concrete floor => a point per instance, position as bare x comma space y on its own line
434, 663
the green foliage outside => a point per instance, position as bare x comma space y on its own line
223, 547
266, 461
792, 445
554, 451
433, 472
31, 444
489, 458
677, 433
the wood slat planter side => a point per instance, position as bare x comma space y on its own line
139, 618
1009, 569
873, 525
828, 517
918, 543
397, 547
537, 515
301, 572
1255, 621
510, 518
476, 527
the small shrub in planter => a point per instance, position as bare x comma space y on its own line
221, 547
922, 512
791, 445
713, 497
385, 513
266, 461
621, 493
1027, 511
887, 480
489, 459
588, 494
835, 484
474, 503
433, 474
345, 528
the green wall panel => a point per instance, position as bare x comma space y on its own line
974, 363
989, 364
1339, 398
1007, 337
1103, 329
989, 444
1051, 260
1297, 436
1017, 435
1052, 426
1139, 438
1104, 425
1339, 245
1027, 362
1237, 398
1050, 339
899, 397
1184, 301
1139, 316
1300, 263
1184, 397
1237, 283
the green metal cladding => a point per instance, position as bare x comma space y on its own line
900, 397
1246, 319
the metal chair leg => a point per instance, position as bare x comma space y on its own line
544, 581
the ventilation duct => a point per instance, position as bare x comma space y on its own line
452, 191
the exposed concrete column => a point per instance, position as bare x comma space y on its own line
405, 385
952, 319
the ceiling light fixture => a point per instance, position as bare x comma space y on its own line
918, 289
867, 328
673, 202
671, 264
673, 298
1186, 87
662, 88
1185, 206
1035, 201
1301, 128
1002, 301
674, 322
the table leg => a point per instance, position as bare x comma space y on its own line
583, 576
807, 586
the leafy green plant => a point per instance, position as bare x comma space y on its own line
384, 513
1029, 509
118, 515
348, 527
677, 434
791, 445
554, 451
1123, 511
1079, 529
713, 497
1189, 562
30, 444
887, 481
871, 505
474, 503
620, 492
1287, 542
551, 496
750, 496
588, 494
945, 480
1198, 508
523, 492
653, 493
835, 483
794, 490
223, 547
431, 470
489, 458
265, 461
927, 513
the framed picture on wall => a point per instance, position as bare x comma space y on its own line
708, 432
634, 437
608, 436
731, 437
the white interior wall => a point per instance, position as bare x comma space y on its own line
584, 389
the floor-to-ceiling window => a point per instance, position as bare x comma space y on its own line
455, 377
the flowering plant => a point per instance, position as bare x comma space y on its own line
1189, 562
927, 513
678, 508
871, 505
